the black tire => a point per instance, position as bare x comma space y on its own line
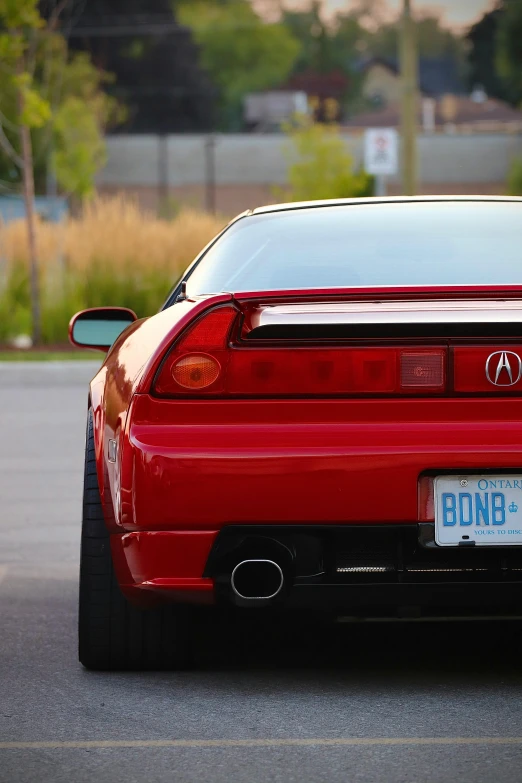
113, 634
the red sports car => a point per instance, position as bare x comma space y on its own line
325, 414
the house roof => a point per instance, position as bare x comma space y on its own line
333, 84
465, 112
437, 75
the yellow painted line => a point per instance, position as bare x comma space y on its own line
261, 743
3, 573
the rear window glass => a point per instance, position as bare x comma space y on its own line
394, 244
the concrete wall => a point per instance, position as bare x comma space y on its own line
249, 167
251, 159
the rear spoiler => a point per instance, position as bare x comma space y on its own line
429, 318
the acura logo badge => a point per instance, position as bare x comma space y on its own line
504, 368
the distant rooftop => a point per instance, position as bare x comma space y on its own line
487, 115
437, 75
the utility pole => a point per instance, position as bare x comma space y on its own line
409, 88
210, 174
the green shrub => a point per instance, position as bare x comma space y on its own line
321, 167
515, 178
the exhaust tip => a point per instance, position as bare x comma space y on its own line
257, 580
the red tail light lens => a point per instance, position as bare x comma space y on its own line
311, 371
494, 369
205, 362
211, 331
197, 362
423, 370
426, 501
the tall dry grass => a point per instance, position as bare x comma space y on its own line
113, 254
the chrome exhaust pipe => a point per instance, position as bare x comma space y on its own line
257, 580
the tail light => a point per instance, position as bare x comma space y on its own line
424, 369
206, 362
494, 369
198, 361
426, 499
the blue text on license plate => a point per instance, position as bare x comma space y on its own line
479, 509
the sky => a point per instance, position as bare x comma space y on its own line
458, 13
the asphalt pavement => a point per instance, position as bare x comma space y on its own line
304, 702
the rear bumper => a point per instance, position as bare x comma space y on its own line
204, 464
345, 569
192, 471
168, 565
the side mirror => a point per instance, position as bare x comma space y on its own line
99, 327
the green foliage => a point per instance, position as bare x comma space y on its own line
62, 100
433, 39
100, 284
322, 45
515, 178
509, 46
15, 304
74, 355
339, 43
482, 65
111, 254
20, 19
36, 111
79, 150
11, 48
239, 51
17, 14
324, 168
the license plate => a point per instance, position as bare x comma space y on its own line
486, 510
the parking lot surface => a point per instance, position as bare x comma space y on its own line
302, 701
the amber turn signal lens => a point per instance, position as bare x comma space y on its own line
196, 371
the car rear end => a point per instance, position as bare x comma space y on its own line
357, 451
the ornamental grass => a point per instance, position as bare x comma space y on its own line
114, 253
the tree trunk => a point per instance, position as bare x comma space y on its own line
409, 89
28, 180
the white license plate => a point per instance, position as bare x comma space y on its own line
483, 509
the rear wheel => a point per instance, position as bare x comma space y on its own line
113, 634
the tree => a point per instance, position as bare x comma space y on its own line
52, 109
433, 39
154, 61
509, 47
321, 167
341, 43
328, 50
238, 50
325, 47
19, 23
482, 56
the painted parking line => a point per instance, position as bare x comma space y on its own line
261, 743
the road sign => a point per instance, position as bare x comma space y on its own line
381, 152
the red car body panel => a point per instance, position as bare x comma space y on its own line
164, 564
186, 468
135, 355
301, 461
